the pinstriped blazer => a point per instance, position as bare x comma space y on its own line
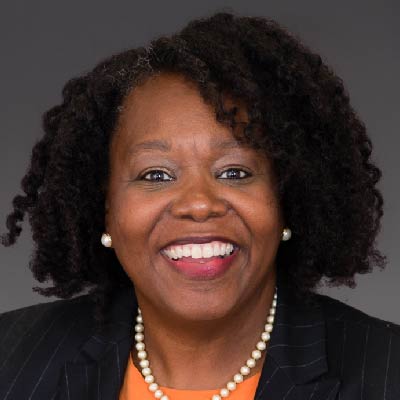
323, 351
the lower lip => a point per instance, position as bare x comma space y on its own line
204, 268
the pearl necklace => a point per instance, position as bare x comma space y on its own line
231, 385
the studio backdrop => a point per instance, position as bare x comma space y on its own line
45, 43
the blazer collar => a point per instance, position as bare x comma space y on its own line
295, 365
97, 372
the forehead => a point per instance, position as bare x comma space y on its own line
170, 105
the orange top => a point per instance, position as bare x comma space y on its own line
134, 387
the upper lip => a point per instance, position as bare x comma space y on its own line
199, 239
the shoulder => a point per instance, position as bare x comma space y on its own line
47, 315
38, 339
361, 348
336, 311
50, 305
43, 322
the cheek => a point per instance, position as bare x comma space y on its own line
132, 219
131, 225
263, 216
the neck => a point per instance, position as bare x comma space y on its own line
215, 349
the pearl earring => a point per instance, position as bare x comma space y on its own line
106, 240
286, 234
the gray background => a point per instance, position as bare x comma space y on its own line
44, 43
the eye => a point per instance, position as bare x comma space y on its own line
235, 173
157, 173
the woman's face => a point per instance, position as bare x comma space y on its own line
195, 191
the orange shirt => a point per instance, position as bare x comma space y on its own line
134, 387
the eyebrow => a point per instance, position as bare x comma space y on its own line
164, 146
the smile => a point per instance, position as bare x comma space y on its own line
200, 251
203, 268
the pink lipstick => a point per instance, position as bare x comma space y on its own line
203, 268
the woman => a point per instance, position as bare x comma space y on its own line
200, 189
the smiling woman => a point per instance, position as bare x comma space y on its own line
201, 188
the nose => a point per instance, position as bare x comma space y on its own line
199, 199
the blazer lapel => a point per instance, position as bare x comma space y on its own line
296, 363
98, 371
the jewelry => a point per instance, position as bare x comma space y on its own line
286, 234
231, 385
106, 240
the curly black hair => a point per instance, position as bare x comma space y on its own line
299, 114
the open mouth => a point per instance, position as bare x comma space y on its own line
197, 252
203, 260
204, 267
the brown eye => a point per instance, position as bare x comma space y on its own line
156, 175
235, 173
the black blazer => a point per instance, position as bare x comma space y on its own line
322, 352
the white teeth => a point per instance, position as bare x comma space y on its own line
186, 251
215, 249
197, 251
207, 251
179, 251
223, 248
